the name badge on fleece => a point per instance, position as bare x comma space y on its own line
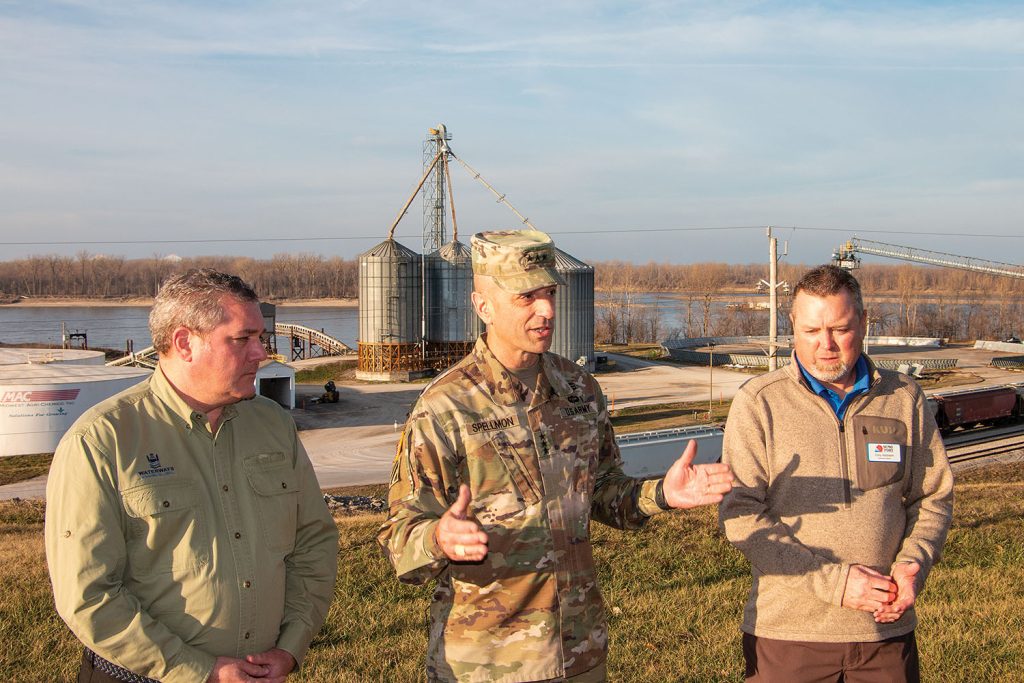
883, 452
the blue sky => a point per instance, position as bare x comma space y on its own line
665, 131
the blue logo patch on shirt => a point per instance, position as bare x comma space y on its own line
155, 469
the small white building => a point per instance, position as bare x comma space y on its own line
276, 381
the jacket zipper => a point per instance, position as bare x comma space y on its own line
843, 459
843, 455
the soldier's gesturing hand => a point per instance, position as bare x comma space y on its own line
687, 485
460, 539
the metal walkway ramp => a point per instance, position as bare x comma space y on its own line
305, 342
146, 358
309, 343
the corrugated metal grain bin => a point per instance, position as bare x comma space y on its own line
452, 326
390, 303
574, 311
450, 316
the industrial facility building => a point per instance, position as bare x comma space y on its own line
414, 321
415, 312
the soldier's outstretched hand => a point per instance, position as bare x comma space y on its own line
687, 485
461, 539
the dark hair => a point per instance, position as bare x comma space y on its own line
193, 299
829, 280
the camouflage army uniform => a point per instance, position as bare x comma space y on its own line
531, 610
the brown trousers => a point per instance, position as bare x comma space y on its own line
788, 661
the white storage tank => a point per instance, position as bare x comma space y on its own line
10, 355
38, 403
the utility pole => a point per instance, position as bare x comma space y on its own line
773, 285
711, 378
773, 300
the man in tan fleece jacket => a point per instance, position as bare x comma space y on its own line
842, 503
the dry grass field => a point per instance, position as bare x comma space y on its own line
675, 592
17, 468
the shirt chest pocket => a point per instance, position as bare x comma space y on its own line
502, 482
882, 446
276, 487
167, 532
571, 431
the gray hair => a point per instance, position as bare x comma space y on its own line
828, 280
193, 300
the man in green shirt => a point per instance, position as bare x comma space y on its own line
186, 533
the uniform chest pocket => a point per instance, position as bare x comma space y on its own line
167, 532
882, 446
276, 486
502, 484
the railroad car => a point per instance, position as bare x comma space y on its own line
991, 405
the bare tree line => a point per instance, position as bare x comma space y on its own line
710, 299
285, 276
953, 317
875, 279
903, 299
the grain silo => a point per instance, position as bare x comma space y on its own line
452, 325
574, 311
390, 308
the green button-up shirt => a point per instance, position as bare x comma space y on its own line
169, 545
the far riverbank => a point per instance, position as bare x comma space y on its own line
27, 302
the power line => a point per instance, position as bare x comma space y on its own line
610, 231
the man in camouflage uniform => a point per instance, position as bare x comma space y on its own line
505, 459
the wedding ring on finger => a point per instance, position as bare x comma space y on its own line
460, 550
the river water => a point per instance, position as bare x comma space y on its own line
111, 326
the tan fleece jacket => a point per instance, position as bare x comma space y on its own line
814, 495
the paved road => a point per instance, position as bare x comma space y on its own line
644, 382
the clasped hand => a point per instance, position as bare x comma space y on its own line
886, 597
272, 666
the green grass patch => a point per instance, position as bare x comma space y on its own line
675, 593
319, 374
15, 468
644, 351
668, 415
372, 490
937, 379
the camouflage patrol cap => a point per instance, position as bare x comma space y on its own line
518, 260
